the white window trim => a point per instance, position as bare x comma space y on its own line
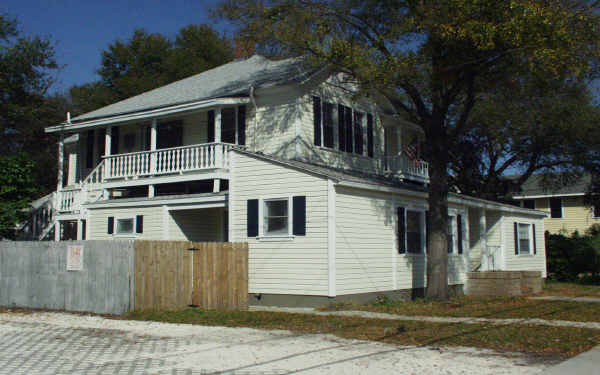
125, 235
261, 203
422, 212
531, 234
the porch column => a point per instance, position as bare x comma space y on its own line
61, 157
107, 147
399, 140
79, 230
218, 148
483, 241
218, 125
153, 130
57, 230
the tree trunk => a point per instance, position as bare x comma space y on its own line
437, 243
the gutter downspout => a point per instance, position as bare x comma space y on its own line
253, 99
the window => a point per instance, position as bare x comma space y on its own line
342, 128
451, 229
169, 134
276, 218
597, 211
524, 238
556, 208
125, 226
529, 203
414, 229
228, 125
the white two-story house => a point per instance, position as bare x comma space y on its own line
328, 191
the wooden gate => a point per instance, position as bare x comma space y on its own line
177, 274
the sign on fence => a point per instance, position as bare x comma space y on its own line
74, 258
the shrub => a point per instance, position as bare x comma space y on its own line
570, 258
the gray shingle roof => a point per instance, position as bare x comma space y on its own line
339, 174
227, 80
553, 184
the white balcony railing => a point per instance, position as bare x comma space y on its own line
405, 167
69, 200
167, 161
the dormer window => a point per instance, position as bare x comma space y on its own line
342, 128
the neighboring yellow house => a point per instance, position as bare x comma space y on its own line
568, 211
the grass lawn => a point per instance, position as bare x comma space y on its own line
488, 307
496, 307
553, 288
551, 342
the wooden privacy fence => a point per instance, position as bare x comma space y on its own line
176, 274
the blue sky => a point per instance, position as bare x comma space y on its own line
82, 29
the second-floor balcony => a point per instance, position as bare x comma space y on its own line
168, 161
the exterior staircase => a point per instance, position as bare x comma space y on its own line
45, 211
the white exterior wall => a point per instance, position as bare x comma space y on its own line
195, 129
367, 258
271, 126
531, 262
297, 266
153, 222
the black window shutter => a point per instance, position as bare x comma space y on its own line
341, 128
211, 126
459, 227
114, 140
427, 231
328, 124
139, 224
348, 122
252, 217
534, 244
401, 230
299, 216
111, 225
358, 133
83, 229
516, 238
370, 135
317, 120
241, 125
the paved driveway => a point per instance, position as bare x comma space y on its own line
56, 343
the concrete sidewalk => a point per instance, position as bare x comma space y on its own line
433, 319
583, 364
571, 299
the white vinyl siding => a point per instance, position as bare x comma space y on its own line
98, 222
296, 266
365, 241
195, 129
271, 127
524, 262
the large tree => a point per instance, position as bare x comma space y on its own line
433, 60
27, 70
523, 128
149, 60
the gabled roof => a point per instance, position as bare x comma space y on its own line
540, 185
232, 79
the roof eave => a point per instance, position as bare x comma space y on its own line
147, 114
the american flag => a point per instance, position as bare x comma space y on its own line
412, 151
